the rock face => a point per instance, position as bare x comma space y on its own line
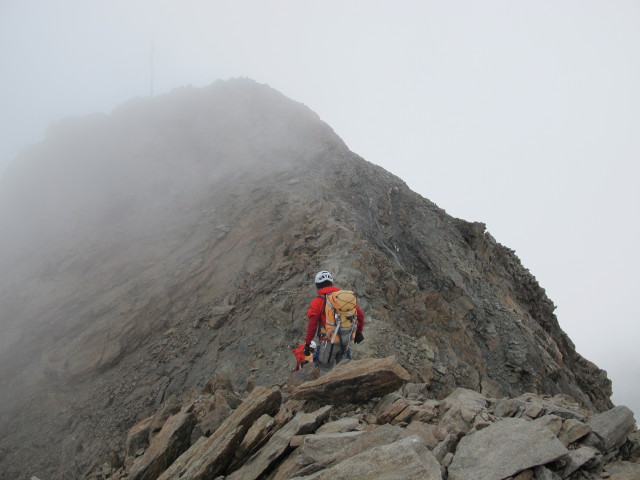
145, 250
464, 438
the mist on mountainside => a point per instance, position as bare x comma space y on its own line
177, 238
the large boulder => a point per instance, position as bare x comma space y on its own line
612, 427
411, 460
322, 451
504, 449
461, 408
355, 381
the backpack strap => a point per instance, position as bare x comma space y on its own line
324, 306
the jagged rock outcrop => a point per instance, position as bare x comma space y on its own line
468, 436
171, 441
145, 250
209, 457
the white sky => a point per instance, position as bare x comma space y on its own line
524, 115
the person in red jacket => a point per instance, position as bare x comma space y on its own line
329, 354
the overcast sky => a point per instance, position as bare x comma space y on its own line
524, 115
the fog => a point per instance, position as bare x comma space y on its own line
521, 115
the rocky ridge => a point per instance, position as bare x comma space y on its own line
146, 250
366, 419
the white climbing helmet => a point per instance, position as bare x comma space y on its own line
323, 276
313, 345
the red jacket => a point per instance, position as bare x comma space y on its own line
315, 314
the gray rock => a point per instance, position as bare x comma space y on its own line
138, 437
355, 382
308, 372
552, 422
321, 448
565, 412
210, 457
383, 435
620, 467
393, 410
415, 391
543, 473
533, 410
524, 475
404, 417
278, 444
287, 469
211, 420
411, 461
219, 316
573, 430
507, 407
343, 425
460, 410
431, 434
254, 436
166, 446
576, 459
503, 449
385, 402
612, 427
630, 475
363, 441
168, 408
445, 446
634, 446
427, 411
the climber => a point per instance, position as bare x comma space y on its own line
346, 322
302, 358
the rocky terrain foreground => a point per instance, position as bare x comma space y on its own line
366, 420
145, 251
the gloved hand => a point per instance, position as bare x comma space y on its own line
359, 337
307, 349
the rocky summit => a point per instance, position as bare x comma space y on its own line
165, 253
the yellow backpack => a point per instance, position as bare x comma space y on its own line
340, 317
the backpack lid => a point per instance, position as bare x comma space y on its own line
344, 302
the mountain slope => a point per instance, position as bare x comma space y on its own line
178, 237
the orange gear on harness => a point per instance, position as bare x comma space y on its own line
301, 358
